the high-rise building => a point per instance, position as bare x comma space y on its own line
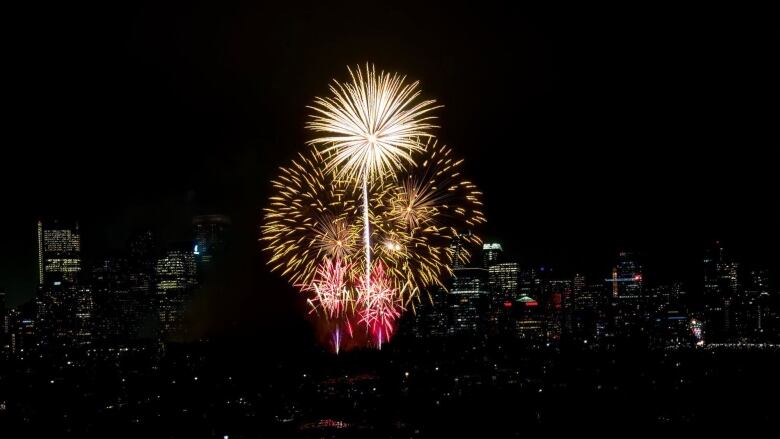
528, 319
468, 301
2, 310
116, 307
726, 314
529, 282
759, 281
175, 274
59, 252
626, 280
19, 323
63, 306
713, 257
558, 306
430, 319
504, 279
142, 263
491, 254
64, 315
210, 236
627, 310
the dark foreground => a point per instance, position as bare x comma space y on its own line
237, 390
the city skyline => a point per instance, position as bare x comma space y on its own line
592, 141
18, 292
279, 219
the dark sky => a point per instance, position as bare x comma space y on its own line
589, 130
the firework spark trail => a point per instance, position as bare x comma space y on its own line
378, 304
371, 125
366, 231
374, 168
337, 339
330, 288
374, 125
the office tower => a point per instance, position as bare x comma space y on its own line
116, 310
63, 306
626, 277
713, 257
504, 279
557, 305
528, 318
210, 236
627, 310
20, 328
64, 315
456, 248
468, 301
578, 284
59, 252
459, 249
431, 317
491, 254
589, 316
759, 281
724, 305
2, 310
529, 282
141, 264
175, 274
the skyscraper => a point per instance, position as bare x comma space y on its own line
210, 236
468, 301
491, 254
503, 280
626, 280
59, 252
722, 295
63, 306
2, 307
627, 306
116, 317
176, 279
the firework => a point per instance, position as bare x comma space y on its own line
374, 178
311, 216
372, 125
422, 215
330, 287
378, 305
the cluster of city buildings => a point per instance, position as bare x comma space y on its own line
498, 297
139, 294
143, 293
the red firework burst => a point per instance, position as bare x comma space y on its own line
330, 287
378, 304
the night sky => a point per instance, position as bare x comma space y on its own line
589, 130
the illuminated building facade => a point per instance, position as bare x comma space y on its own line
626, 279
59, 252
491, 254
726, 309
63, 306
529, 321
175, 274
468, 301
503, 279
